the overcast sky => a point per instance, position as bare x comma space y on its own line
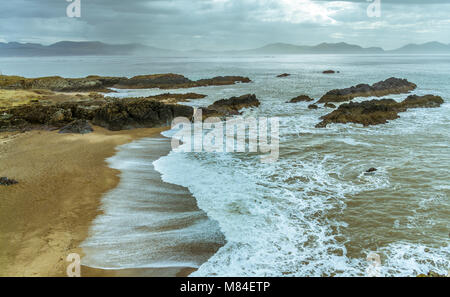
227, 24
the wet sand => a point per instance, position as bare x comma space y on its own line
148, 223
61, 181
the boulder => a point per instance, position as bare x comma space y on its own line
371, 170
78, 126
330, 105
313, 106
4, 181
329, 72
301, 98
284, 75
389, 86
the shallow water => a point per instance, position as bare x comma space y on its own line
313, 212
147, 223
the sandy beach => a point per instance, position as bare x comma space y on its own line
61, 181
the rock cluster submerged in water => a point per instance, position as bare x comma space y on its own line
376, 112
4, 181
231, 106
301, 98
389, 86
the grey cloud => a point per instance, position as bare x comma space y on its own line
224, 24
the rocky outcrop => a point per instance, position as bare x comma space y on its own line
48, 115
427, 101
102, 84
60, 84
113, 114
389, 86
4, 181
313, 106
231, 106
376, 112
433, 274
78, 126
284, 75
174, 98
123, 114
330, 105
301, 98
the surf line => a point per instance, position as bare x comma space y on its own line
234, 135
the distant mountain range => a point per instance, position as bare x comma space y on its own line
96, 48
74, 48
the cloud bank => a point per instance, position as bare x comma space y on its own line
227, 24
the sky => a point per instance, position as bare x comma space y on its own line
228, 24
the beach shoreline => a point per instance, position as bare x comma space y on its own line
62, 178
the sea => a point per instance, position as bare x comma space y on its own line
313, 212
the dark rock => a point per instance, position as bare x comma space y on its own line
130, 113
371, 170
284, 75
4, 181
432, 274
376, 112
217, 81
301, 98
427, 101
55, 115
77, 126
175, 98
389, 86
330, 105
113, 114
329, 72
231, 106
313, 106
371, 112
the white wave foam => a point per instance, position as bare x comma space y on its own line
278, 219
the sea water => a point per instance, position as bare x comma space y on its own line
313, 212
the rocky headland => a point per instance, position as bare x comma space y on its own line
375, 112
387, 87
72, 103
95, 83
113, 113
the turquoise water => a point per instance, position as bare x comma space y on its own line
313, 212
